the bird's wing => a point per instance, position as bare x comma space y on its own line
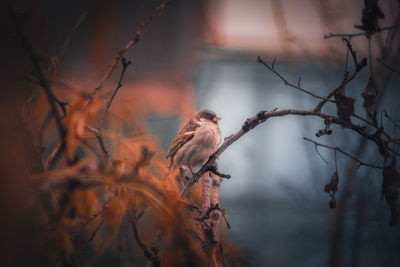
191, 126
185, 134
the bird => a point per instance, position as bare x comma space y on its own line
195, 142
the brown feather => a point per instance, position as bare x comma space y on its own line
185, 134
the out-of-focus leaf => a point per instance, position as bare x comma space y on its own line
369, 17
119, 167
370, 96
345, 108
331, 189
332, 186
77, 120
82, 204
390, 185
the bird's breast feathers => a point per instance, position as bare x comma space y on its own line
204, 142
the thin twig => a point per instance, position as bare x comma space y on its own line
392, 69
41, 78
351, 35
125, 65
158, 11
346, 65
373, 125
99, 136
371, 70
361, 163
68, 39
150, 255
358, 67
99, 132
345, 81
351, 50
103, 146
335, 161
91, 219
319, 154
96, 230
271, 68
54, 156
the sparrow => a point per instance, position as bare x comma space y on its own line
196, 141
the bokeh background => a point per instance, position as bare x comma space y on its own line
202, 54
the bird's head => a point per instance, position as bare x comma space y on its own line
207, 114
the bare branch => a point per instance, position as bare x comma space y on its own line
319, 154
91, 219
351, 50
262, 116
361, 163
96, 230
54, 156
150, 255
99, 136
392, 69
125, 65
351, 35
344, 82
271, 68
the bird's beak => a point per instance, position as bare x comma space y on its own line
215, 119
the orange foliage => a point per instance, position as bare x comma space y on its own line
91, 201
77, 120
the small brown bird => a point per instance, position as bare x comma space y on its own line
197, 140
